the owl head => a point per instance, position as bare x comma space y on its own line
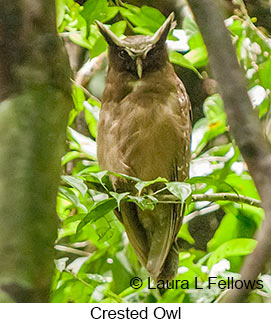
139, 54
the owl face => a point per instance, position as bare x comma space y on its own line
138, 55
138, 62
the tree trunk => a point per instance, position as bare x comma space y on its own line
34, 107
244, 125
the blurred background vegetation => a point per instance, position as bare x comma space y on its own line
94, 261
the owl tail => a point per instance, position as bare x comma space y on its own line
170, 268
163, 256
135, 231
152, 235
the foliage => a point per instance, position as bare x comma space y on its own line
94, 261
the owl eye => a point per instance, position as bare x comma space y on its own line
122, 54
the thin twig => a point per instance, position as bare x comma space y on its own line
213, 198
226, 197
206, 210
72, 250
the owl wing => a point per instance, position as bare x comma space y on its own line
183, 159
184, 156
136, 233
163, 254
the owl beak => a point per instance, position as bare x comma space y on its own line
139, 66
163, 31
110, 37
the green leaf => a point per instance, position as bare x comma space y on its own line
72, 116
213, 108
110, 13
215, 122
61, 263
263, 109
91, 115
190, 26
94, 102
100, 45
236, 28
130, 290
60, 11
181, 190
74, 218
119, 27
99, 210
78, 97
251, 212
77, 183
79, 40
198, 57
264, 74
148, 17
100, 176
87, 145
212, 181
146, 202
94, 9
70, 156
152, 16
235, 247
227, 230
126, 13
179, 59
142, 184
243, 184
119, 197
142, 31
94, 110
196, 42
132, 8
70, 195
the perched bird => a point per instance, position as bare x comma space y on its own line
144, 131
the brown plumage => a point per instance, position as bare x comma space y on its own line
144, 131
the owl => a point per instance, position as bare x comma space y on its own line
144, 131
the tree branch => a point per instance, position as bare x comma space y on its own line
244, 124
88, 70
213, 198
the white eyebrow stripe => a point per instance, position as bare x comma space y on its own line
138, 52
